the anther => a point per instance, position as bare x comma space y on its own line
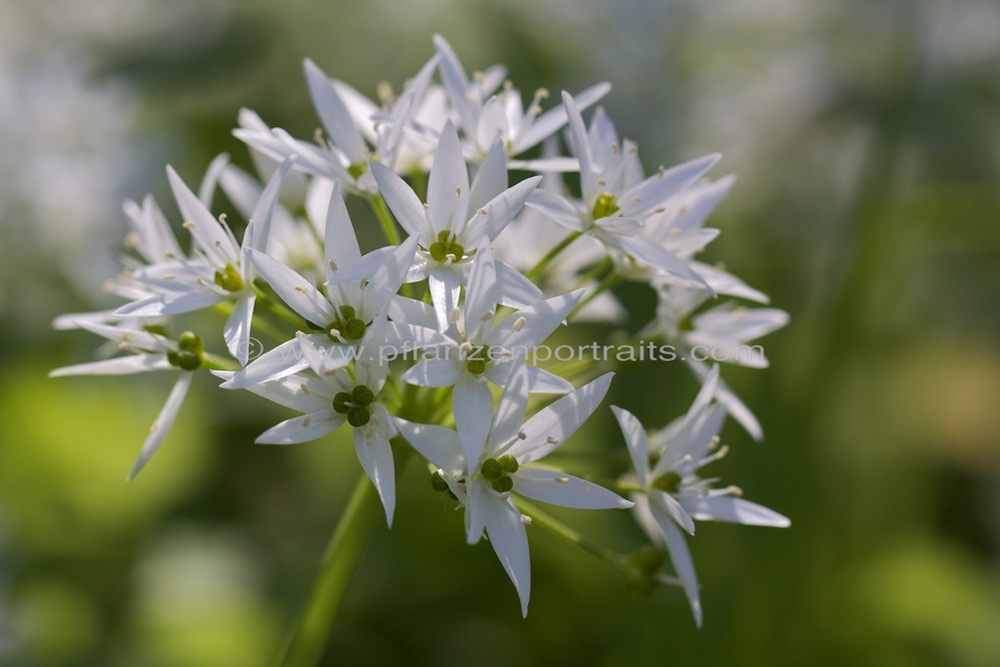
519, 323
188, 224
552, 440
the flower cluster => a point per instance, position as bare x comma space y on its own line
477, 257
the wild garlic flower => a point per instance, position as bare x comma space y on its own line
486, 471
671, 493
409, 343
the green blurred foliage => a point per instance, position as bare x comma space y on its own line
866, 137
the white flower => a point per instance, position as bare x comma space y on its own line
218, 271
719, 334
445, 231
673, 495
616, 199
503, 116
345, 312
358, 131
484, 350
146, 352
501, 465
328, 396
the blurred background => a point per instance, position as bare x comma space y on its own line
866, 140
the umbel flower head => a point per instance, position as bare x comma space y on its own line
438, 339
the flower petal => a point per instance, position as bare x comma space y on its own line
237, 329
557, 488
437, 444
637, 442
550, 427
375, 455
301, 429
300, 294
472, 404
733, 509
161, 427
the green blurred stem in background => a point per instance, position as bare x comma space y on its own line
305, 646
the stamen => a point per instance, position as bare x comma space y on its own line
188, 224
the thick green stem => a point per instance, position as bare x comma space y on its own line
305, 647
538, 268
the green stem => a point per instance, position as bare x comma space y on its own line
305, 647
609, 281
561, 530
537, 269
382, 213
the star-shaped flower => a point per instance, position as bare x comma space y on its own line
672, 495
503, 465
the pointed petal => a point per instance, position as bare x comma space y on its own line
208, 232
735, 510
553, 119
401, 199
135, 363
541, 319
299, 293
515, 290
637, 442
491, 179
445, 286
472, 404
432, 373
237, 329
161, 427
258, 231
437, 444
557, 488
557, 208
511, 408
301, 429
510, 542
491, 219
581, 148
375, 455
448, 183
651, 193
333, 113
550, 427
341, 241
278, 362
680, 556
481, 294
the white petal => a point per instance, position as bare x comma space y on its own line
481, 294
729, 400
445, 286
491, 179
237, 329
135, 363
510, 542
515, 290
540, 320
301, 429
293, 289
187, 302
680, 556
550, 427
636, 440
259, 229
433, 373
656, 189
333, 113
211, 179
557, 488
500, 210
665, 503
161, 427
581, 147
735, 510
402, 201
553, 119
557, 208
448, 183
341, 242
278, 362
541, 381
655, 256
472, 404
375, 455
209, 233
403, 309
302, 393
437, 444
511, 408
